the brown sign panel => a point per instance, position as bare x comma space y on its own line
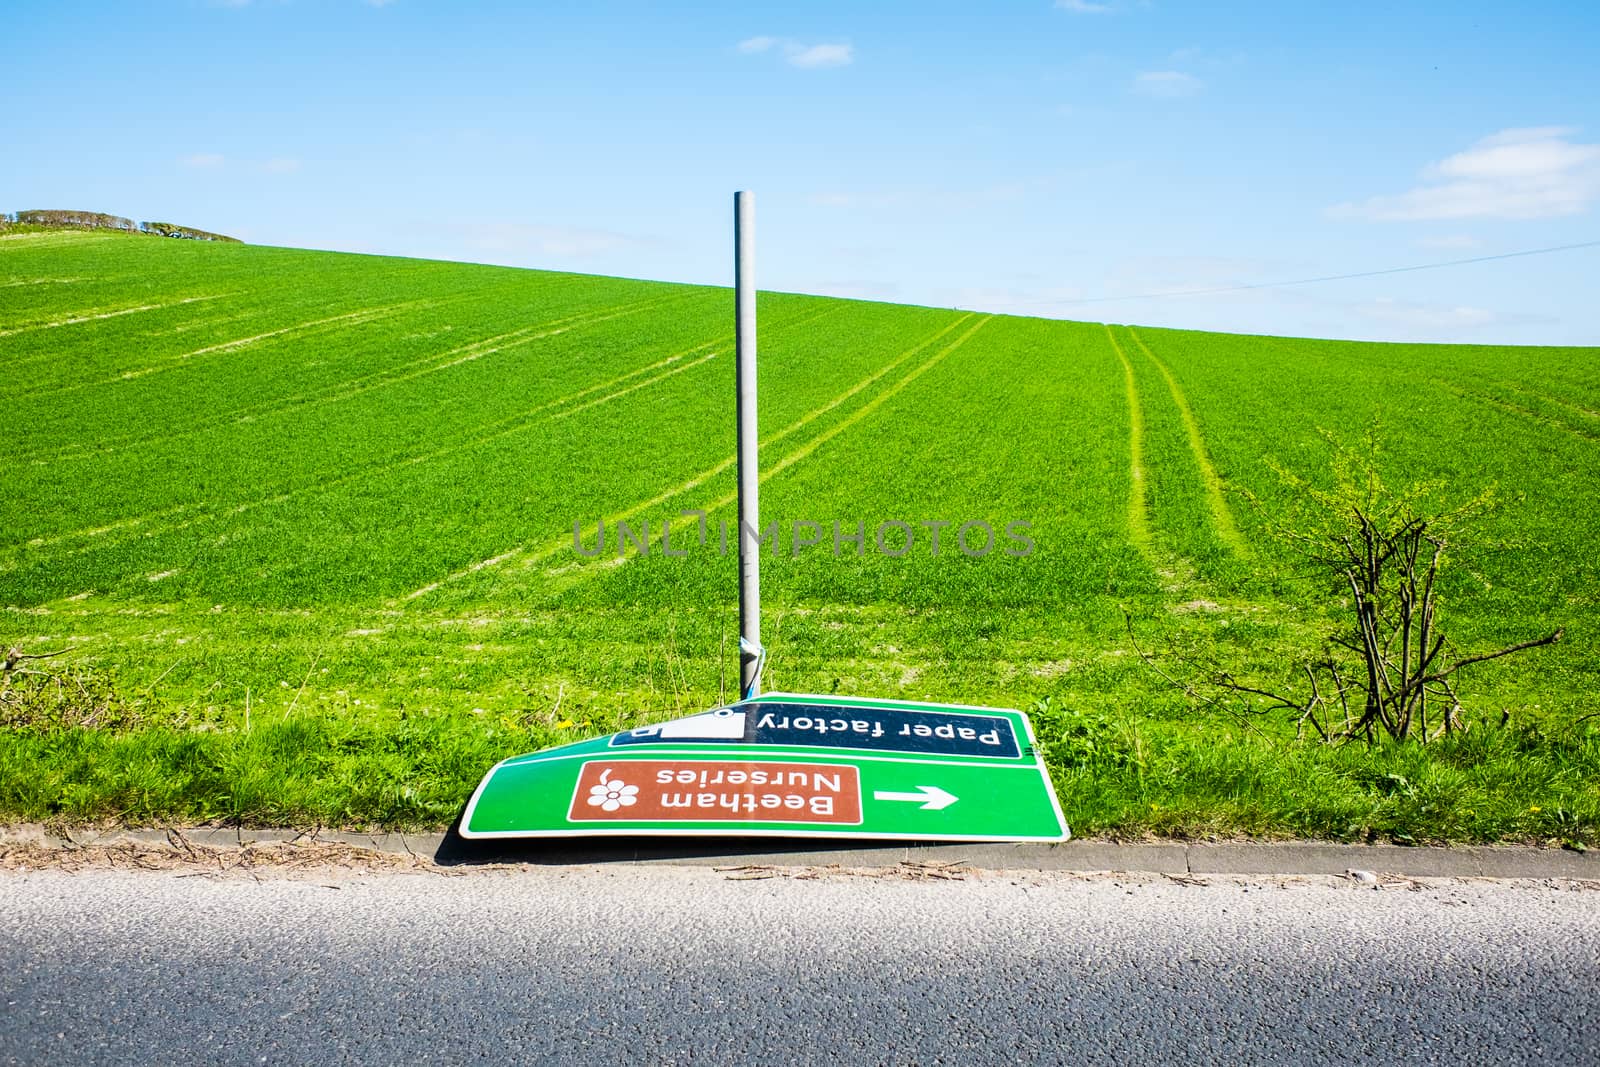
695, 790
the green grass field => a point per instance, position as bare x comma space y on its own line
311, 517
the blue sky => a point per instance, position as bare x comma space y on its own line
1050, 157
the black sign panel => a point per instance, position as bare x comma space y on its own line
941, 733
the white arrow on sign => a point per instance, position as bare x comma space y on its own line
931, 797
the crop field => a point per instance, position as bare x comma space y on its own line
308, 518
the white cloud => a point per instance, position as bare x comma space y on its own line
1084, 7
819, 55
202, 160
1167, 84
1530, 173
798, 54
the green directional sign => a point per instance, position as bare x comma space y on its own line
786, 765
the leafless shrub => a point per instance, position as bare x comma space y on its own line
1388, 669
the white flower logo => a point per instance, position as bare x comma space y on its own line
610, 796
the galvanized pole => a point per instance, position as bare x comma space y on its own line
750, 650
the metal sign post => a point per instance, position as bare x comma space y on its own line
751, 654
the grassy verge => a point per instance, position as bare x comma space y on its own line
1114, 778
344, 719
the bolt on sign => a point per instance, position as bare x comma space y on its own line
786, 765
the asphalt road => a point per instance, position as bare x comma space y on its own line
623, 965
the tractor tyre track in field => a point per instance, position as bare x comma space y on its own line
47, 281
191, 427
88, 532
1586, 416
1528, 414
634, 387
1217, 503
312, 327
97, 314
472, 352
877, 401
524, 421
1138, 494
348, 388
805, 450
331, 324
500, 428
551, 548
252, 311
222, 320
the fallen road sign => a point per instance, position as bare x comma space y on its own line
786, 765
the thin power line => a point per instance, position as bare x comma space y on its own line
1324, 278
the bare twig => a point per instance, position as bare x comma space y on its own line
1187, 690
1310, 713
1485, 657
152, 686
15, 656
293, 703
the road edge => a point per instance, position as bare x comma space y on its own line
1174, 857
